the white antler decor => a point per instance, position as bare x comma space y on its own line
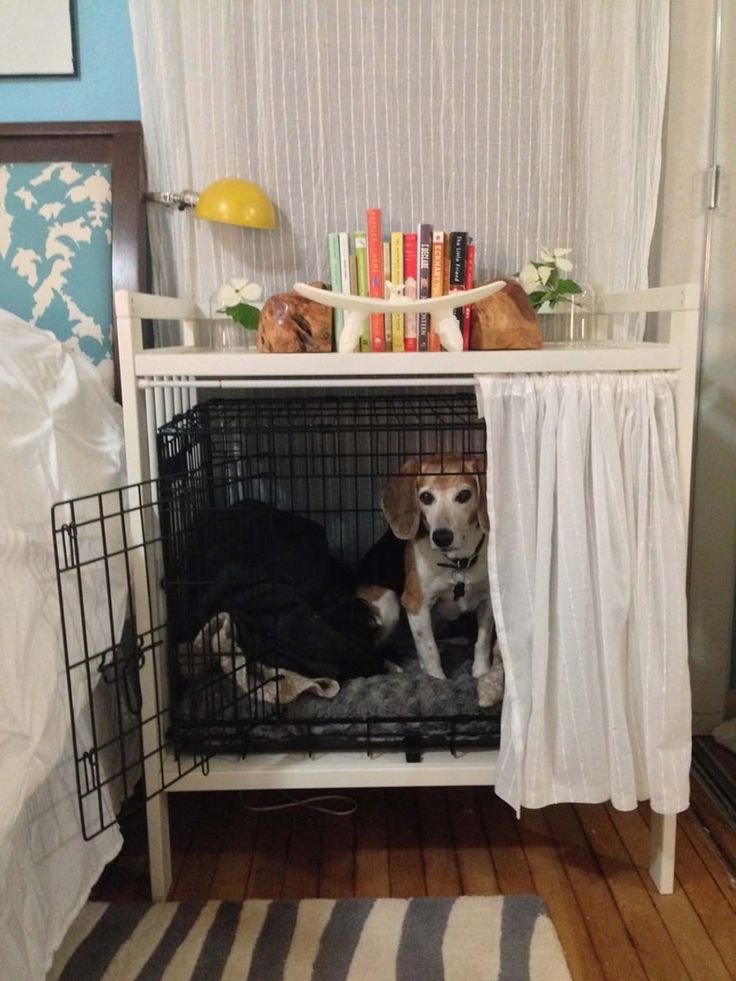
358, 307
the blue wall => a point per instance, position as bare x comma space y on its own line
106, 87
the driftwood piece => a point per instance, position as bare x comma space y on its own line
291, 324
504, 321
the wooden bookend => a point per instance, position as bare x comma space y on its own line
504, 321
291, 324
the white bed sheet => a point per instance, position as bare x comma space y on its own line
60, 437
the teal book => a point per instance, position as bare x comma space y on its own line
338, 316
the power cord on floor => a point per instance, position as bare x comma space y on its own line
344, 806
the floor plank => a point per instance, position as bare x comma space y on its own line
693, 943
406, 869
197, 868
509, 861
372, 876
230, 878
616, 955
648, 933
553, 886
477, 875
304, 858
266, 877
337, 872
441, 873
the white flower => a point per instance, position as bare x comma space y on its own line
236, 291
556, 257
533, 278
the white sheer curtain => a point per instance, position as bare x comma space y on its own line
527, 123
587, 565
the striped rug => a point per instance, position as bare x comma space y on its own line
462, 939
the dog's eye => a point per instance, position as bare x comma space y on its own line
426, 498
463, 497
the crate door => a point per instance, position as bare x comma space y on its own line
109, 551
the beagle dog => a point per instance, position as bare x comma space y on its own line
433, 561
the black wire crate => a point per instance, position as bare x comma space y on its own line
267, 505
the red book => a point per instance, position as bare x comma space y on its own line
375, 275
410, 290
469, 275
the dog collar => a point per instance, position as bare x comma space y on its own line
460, 566
468, 561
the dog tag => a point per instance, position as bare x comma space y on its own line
458, 591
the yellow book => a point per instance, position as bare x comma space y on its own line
397, 279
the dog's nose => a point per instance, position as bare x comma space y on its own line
442, 537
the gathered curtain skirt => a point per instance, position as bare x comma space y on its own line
587, 565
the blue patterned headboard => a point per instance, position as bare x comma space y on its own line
56, 251
72, 232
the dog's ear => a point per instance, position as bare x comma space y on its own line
400, 504
477, 465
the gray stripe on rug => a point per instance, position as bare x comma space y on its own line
92, 957
216, 947
420, 948
518, 919
274, 941
174, 936
340, 939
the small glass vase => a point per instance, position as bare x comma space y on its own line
571, 322
227, 335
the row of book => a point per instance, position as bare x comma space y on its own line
426, 263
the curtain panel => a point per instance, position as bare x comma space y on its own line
526, 123
587, 560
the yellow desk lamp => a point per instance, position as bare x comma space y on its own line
231, 200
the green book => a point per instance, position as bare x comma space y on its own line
338, 316
361, 260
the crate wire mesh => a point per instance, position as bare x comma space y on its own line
141, 551
325, 458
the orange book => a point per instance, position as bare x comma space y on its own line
437, 282
375, 275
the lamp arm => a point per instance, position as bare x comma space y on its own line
174, 199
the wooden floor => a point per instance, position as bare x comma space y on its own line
587, 862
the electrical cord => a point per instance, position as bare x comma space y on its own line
344, 808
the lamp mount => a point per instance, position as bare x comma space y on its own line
180, 200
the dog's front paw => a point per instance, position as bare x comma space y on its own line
481, 666
490, 686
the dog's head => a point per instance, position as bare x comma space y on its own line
446, 495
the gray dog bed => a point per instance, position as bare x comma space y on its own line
382, 709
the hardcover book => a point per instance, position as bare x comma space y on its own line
437, 284
375, 275
361, 262
397, 279
410, 290
424, 282
458, 258
387, 279
333, 251
469, 281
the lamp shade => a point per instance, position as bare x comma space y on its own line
236, 202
